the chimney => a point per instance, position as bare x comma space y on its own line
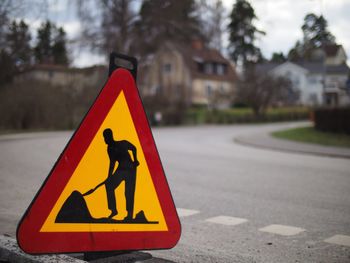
197, 44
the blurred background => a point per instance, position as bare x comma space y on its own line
200, 61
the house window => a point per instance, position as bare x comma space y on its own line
209, 90
50, 73
209, 68
156, 90
332, 85
222, 88
200, 67
220, 69
312, 80
159, 89
313, 99
167, 68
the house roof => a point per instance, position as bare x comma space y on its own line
320, 68
192, 56
338, 69
311, 67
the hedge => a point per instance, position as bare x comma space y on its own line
332, 120
245, 116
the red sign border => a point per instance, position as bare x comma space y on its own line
29, 237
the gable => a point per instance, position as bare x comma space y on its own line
291, 67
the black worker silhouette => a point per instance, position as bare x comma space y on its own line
75, 210
118, 151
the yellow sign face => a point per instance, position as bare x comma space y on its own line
106, 201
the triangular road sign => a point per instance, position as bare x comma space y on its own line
108, 190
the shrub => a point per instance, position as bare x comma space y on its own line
245, 115
333, 120
37, 105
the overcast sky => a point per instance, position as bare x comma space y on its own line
280, 19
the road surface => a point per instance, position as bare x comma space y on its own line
237, 203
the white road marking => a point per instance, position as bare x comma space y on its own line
339, 240
226, 220
282, 230
182, 212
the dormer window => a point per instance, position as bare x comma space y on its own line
167, 68
200, 67
220, 69
208, 68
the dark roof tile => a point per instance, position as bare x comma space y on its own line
193, 56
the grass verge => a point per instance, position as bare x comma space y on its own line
310, 135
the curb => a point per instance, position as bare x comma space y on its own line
10, 252
246, 142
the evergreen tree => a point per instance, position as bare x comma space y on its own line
167, 20
315, 31
43, 50
18, 43
243, 34
51, 45
59, 50
16, 53
315, 35
296, 52
278, 57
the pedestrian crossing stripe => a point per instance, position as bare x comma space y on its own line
146, 219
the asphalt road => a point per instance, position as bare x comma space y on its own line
229, 192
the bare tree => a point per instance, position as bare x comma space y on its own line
8, 8
14, 9
107, 24
212, 18
15, 50
261, 91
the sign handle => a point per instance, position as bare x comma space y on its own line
117, 60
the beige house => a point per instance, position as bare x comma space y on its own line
194, 74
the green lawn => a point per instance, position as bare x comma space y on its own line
310, 135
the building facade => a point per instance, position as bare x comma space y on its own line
321, 81
195, 75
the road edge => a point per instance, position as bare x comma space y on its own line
10, 252
246, 142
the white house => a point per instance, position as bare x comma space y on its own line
307, 82
321, 82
